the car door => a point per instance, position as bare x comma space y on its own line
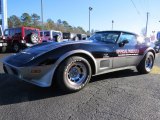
119, 59
127, 51
105, 49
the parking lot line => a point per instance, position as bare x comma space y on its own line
155, 70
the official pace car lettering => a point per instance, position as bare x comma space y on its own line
127, 52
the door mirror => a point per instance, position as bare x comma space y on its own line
121, 44
125, 41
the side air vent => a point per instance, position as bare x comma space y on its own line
104, 63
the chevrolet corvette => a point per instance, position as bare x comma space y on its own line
71, 64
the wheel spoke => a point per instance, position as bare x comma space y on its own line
77, 73
149, 63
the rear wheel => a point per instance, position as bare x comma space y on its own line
73, 74
34, 38
146, 64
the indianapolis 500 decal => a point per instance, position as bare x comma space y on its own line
124, 52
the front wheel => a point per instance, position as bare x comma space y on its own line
73, 74
146, 64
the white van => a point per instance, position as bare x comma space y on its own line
51, 35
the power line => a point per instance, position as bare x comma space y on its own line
135, 7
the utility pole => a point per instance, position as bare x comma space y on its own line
3, 11
42, 12
90, 9
112, 24
147, 24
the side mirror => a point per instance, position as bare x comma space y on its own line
125, 41
121, 44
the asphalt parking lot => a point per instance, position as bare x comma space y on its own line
123, 95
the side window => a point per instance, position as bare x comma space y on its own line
130, 37
28, 32
41, 34
11, 32
18, 31
6, 33
66, 36
55, 33
46, 34
112, 37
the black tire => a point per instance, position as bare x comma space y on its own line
73, 74
145, 66
16, 47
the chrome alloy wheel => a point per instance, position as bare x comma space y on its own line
77, 73
149, 63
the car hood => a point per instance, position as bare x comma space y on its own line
48, 46
33, 52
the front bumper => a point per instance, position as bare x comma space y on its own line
39, 75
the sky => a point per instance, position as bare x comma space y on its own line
127, 15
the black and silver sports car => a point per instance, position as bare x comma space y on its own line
71, 64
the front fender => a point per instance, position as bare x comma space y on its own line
146, 51
151, 50
66, 55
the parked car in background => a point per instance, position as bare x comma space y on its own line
3, 44
158, 36
22, 37
82, 36
70, 36
155, 43
51, 35
71, 64
157, 46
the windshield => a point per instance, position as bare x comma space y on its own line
105, 36
29, 32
